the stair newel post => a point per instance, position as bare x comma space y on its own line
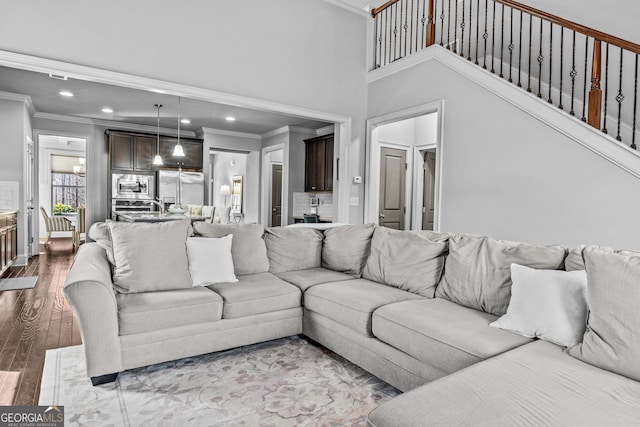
595, 94
431, 24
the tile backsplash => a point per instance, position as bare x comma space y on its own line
301, 204
9, 194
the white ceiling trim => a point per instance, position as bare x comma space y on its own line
26, 99
349, 7
112, 124
325, 130
81, 72
231, 133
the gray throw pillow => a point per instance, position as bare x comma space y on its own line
293, 248
150, 256
248, 250
346, 248
99, 232
611, 341
574, 260
405, 260
477, 273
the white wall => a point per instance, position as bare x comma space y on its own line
307, 53
508, 175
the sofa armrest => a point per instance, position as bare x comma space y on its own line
90, 293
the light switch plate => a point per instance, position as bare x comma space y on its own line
357, 180
354, 201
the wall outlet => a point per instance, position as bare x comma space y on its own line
354, 201
357, 180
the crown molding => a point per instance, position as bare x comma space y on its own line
271, 133
307, 131
351, 8
297, 129
25, 99
325, 130
213, 131
112, 124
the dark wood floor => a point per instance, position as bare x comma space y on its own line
33, 321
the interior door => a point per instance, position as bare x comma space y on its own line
429, 188
393, 175
276, 195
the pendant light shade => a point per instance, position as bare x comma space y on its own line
177, 150
157, 160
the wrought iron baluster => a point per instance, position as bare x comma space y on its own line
573, 73
530, 41
423, 21
560, 106
394, 14
477, 29
635, 106
549, 100
401, 28
411, 35
386, 35
485, 35
540, 60
606, 90
520, 53
493, 38
455, 29
462, 30
620, 96
375, 41
442, 24
511, 46
584, 94
501, 39
449, 26
470, 30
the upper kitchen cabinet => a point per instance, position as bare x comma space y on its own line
193, 151
131, 152
319, 164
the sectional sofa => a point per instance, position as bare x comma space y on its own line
414, 308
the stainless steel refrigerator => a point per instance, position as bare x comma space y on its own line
191, 186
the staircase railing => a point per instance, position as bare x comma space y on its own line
561, 61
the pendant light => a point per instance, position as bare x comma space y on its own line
177, 150
157, 160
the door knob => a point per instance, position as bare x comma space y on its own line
381, 216
274, 209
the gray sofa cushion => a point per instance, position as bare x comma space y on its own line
405, 260
441, 333
533, 385
150, 256
346, 248
477, 272
304, 279
612, 339
152, 311
99, 232
294, 248
351, 303
574, 260
248, 250
256, 294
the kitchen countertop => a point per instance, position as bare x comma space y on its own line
321, 218
153, 216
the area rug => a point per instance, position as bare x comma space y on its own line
286, 382
16, 283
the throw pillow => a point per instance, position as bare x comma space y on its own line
405, 260
210, 260
248, 250
150, 256
293, 248
347, 248
574, 260
611, 341
547, 304
477, 272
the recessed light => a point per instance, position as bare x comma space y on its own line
230, 119
185, 121
66, 93
107, 110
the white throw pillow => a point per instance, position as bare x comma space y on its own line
210, 260
547, 304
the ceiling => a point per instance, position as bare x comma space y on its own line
137, 106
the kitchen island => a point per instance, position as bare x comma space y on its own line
153, 216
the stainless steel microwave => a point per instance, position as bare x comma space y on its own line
125, 186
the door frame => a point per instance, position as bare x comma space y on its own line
265, 197
372, 165
418, 184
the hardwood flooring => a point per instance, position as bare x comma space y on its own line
33, 321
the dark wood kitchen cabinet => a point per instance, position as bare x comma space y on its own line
131, 152
193, 152
8, 239
319, 164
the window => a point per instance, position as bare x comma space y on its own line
68, 189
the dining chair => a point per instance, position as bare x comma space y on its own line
54, 224
80, 226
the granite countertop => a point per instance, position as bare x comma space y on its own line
153, 216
